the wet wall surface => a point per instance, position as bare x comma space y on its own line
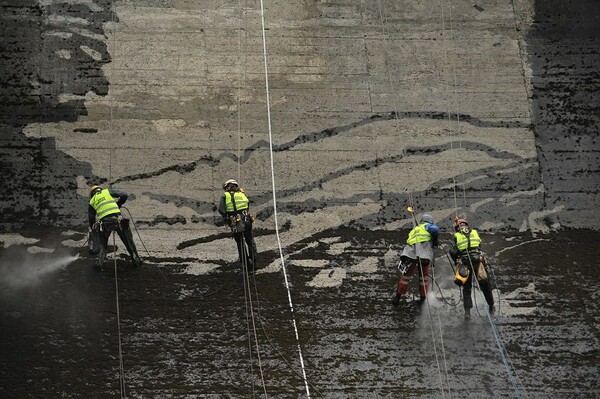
564, 53
183, 319
190, 335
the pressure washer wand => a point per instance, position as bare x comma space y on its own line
412, 212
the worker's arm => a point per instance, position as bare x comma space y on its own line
120, 196
91, 215
222, 208
435, 232
453, 252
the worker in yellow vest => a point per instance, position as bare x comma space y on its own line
234, 208
417, 254
466, 253
104, 216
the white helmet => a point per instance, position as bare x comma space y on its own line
230, 182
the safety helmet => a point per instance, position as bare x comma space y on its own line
230, 182
462, 226
426, 218
94, 189
459, 222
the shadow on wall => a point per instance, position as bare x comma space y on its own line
45, 73
564, 54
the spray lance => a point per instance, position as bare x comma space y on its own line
412, 212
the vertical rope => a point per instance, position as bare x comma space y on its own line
250, 317
273, 188
250, 314
382, 10
121, 368
447, 91
110, 160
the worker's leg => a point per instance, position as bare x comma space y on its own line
424, 278
467, 301
251, 244
402, 286
103, 235
486, 288
244, 258
127, 237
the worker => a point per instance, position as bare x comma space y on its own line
104, 215
467, 255
417, 254
234, 208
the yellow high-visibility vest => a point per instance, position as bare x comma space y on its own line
418, 234
464, 243
104, 204
241, 201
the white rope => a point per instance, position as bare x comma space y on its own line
111, 127
250, 317
250, 314
453, 71
431, 324
121, 368
500, 344
287, 285
391, 84
512, 375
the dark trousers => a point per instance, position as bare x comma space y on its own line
110, 224
486, 289
248, 257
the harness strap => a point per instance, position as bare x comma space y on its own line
232, 194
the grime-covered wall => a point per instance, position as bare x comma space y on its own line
485, 110
562, 47
52, 57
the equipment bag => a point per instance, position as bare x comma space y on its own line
462, 274
481, 273
94, 240
237, 223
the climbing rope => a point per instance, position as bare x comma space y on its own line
432, 324
250, 317
249, 307
502, 349
121, 368
264, 330
273, 189
110, 160
382, 15
433, 340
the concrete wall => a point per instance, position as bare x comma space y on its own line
488, 110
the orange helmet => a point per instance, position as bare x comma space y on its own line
459, 222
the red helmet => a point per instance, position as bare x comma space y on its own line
459, 222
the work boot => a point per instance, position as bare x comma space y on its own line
467, 314
492, 311
136, 261
396, 299
250, 266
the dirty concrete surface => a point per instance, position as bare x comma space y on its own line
187, 333
488, 110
